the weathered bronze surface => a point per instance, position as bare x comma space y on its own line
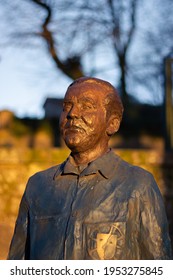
94, 205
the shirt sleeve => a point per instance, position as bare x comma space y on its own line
19, 249
154, 234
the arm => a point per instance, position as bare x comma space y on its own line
154, 237
19, 248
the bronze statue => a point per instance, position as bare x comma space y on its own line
94, 205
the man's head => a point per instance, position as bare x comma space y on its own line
92, 112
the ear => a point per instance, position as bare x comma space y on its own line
113, 125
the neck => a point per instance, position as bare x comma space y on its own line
84, 157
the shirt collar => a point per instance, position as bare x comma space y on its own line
105, 164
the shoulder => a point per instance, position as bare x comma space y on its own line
47, 173
43, 179
136, 173
136, 177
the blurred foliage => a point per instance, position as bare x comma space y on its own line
18, 128
46, 127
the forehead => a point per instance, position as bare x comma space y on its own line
86, 90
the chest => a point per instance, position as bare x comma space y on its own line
86, 198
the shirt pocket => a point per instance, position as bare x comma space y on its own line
105, 241
46, 236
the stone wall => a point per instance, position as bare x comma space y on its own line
17, 165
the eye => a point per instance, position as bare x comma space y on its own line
87, 106
67, 106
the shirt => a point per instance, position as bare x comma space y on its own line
111, 210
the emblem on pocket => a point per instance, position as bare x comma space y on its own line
104, 241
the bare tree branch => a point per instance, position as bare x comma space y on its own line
133, 24
72, 66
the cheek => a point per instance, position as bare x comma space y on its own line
89, 120
62, 120
94, 120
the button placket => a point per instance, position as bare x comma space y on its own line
77, 223
82, 182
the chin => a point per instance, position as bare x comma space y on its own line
72, 143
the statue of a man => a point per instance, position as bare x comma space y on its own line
94, 205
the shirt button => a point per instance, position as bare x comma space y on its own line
82, 184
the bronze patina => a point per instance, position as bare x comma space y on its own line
94, 205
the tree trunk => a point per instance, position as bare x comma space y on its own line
123, 90
71, 66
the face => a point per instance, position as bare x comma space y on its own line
83, 120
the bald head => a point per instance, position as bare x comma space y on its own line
112, 101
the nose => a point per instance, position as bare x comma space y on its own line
74, 112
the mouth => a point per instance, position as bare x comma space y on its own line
74, 128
